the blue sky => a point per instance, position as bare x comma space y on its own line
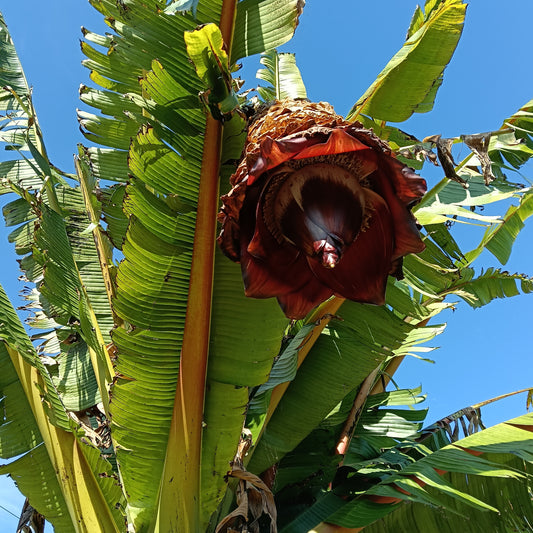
340, 46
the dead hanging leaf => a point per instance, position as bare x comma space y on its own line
456, 421
256, 510
444, 153
479, 144
30, 520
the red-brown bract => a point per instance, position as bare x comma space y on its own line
319, 207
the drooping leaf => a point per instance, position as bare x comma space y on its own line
454, 195
35, 477
509, 496
499, 239
484, 457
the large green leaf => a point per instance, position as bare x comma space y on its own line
409, 82
410, 475
56, 469
234, 366
152, 281
35, 477
339, 361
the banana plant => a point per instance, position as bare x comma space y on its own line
161, 386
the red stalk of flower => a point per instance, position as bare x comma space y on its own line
319, 207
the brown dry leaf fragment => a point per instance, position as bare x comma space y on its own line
420, 153
479, 144
30, 520
255, 501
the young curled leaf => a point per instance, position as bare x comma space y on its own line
207, 51
319, 207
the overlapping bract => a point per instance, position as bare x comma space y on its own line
319, 207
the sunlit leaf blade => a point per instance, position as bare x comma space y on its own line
62, 287
514, 147
167, 172
264, 25
12, 73
20, 172
285, 366
206, 49
151, 296
108, 164
282, 76
18, 432
450, 194
116, 221
247, 366
410, 80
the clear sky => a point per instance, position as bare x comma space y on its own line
341, 46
